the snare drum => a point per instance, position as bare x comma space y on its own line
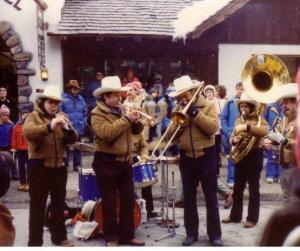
88, 187
144, 174
98, 215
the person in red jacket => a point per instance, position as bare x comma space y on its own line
19, 145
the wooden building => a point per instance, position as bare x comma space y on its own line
259, 26
113, 36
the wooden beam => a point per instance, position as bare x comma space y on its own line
42, 5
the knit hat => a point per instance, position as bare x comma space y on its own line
4, 110
136, 85
210, 87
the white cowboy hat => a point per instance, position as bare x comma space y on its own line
182, 85
88, 208
246, 99
50, 92
289, 90
110, 84
85, 230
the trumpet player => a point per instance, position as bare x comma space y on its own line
248, 169
114, 143
134, 101
285, 137
47, 134
196, 142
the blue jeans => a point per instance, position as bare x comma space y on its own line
230, 165
273, 169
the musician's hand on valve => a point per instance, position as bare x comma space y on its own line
236, 140
241, 128
57, 121
133, 116
277, 137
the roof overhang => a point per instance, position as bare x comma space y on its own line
217, 18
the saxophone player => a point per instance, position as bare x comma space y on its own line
196, 142
248, 169
285, 136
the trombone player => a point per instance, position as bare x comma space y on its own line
196, 142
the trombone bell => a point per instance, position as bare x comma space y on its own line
179, 118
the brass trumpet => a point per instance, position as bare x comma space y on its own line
152, 120
67, 125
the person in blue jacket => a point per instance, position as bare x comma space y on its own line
92, 86
228, 117
273, 168
75, 107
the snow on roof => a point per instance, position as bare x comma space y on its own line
192, 16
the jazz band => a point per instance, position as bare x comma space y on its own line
119, 128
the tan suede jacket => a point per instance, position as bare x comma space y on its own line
258, 131
289, 131
43, 143
112, 132
139, 145
200, 131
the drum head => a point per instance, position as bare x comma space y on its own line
98, 215
145, 183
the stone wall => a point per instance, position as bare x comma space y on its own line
21, 59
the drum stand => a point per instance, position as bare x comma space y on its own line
164, 211
172, 226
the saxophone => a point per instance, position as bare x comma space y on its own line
246, 139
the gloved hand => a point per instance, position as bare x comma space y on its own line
277, 137
144, 158
240, 128
192, 111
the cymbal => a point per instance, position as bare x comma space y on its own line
84, 147
169, 159
153, 143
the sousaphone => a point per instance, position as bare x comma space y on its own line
261, 78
